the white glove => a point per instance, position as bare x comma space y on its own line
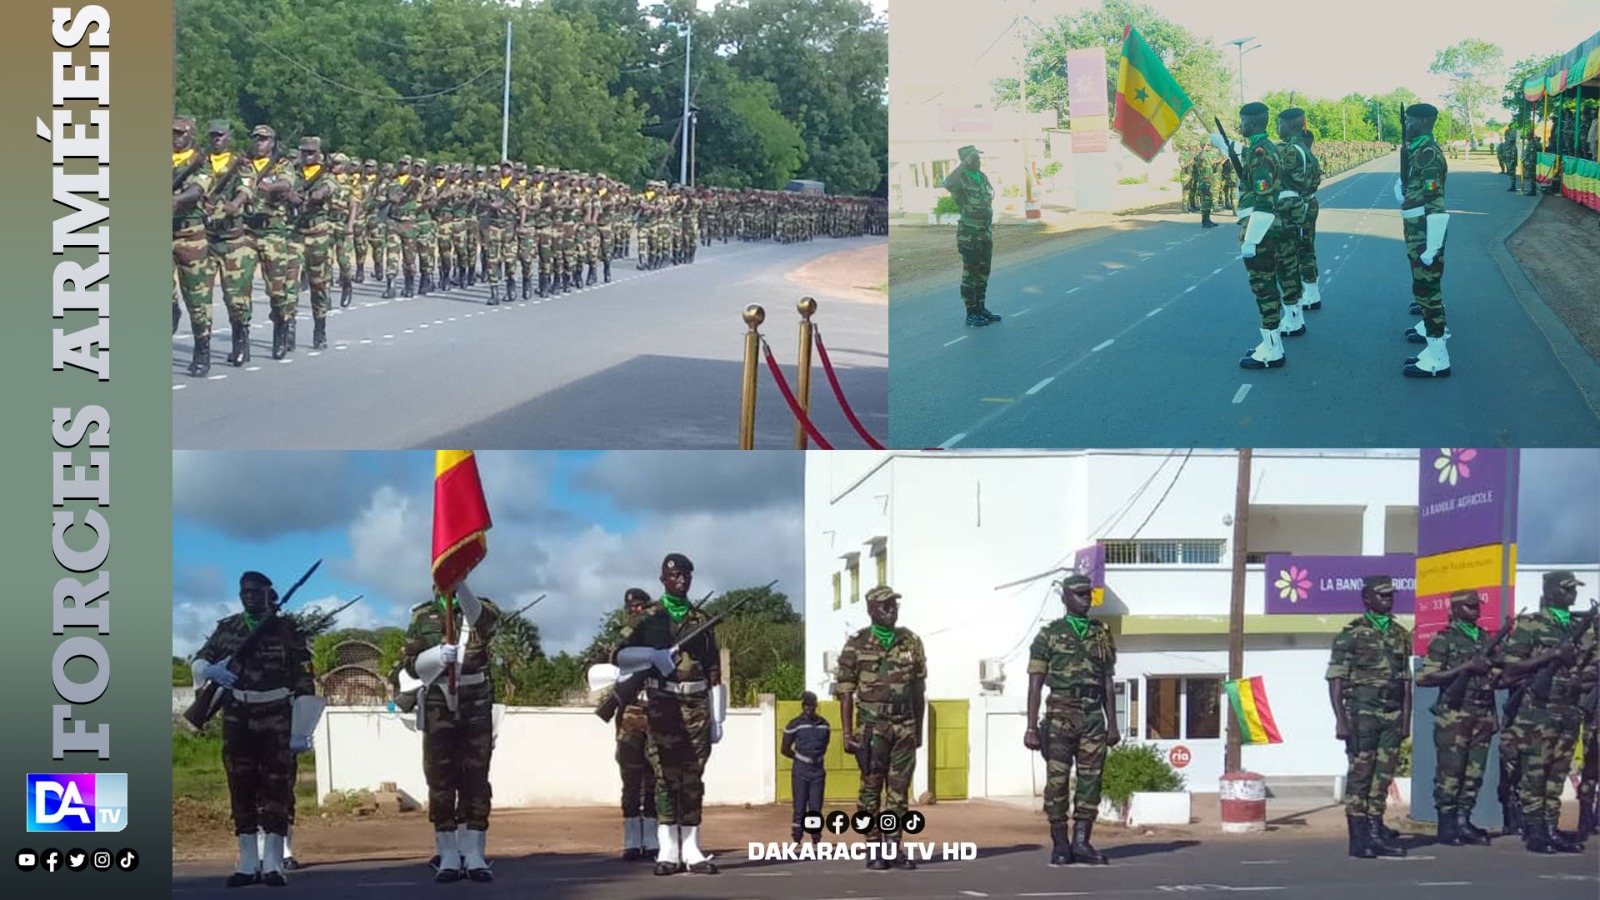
1218, 142
299, 743
1399, 192
1248, 251
1427, 257
716, 731
448, 653
219, 672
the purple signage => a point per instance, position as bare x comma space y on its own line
1087, 94
1091, 561
1461, 499
1322, 585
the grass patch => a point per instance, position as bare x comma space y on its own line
198, 780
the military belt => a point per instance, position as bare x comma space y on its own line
256, 697
804, 758
888, 710
463, 680
1413, 212
681, 688
1284, 195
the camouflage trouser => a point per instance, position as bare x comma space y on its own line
1073, 732
691, 236
427, 235
1545, 757
668, 237
806, 783
1590, 773
678, 747
456, 749
377, 241
1262, 270
1425, 279
444, 242
494, 245
189, 258
344, 253
975, 243
235, 259
403, 244
638, 779
1373, 750
1288, 255
1461, 745
1188, 192
259, 766
315, 247
1308, 243
358, 243
1511, 740
1203, 193
892, 752
1509, 170
567, 250
1530, 175
280, 255
531, 250
606, 235
467, 244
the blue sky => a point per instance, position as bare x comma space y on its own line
580, 526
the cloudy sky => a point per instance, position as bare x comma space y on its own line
1558, 509
581, 527
1323, 49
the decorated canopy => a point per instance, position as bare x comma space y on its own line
1579, 66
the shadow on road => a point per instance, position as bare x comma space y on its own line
1129, 851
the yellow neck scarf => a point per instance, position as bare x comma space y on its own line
220, 161
438, 182
261, 163
403, 179
505, 181
310, 172
182, 157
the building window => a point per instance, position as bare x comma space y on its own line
838, 583
941, 168
1164, 553
1184, 709
1127, 708
854, 565
880, 556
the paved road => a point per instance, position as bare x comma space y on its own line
1284, 868
651, 360
1134, 340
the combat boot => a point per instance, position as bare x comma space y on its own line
280, 332
447, 845
511, 285
426, 286
248, 871
388, 290
1360, 843
983, 310
1414, 309
494, 295
1449, 830
288, 337
543, 287
472, 854
377, 271
1082, 850
1510, 818
241, 344
1381, 843
592, 277
976, 319
272, 863
1586, 819
1266, 355
200, 360
1293, 322
1563, 842
527, 288
177, 316
410, 290
319, 334
1060, 845
1205, 220
567, 282
443, 286
902, 859
876, 861
608, 271
1536, 836
361, 273
346, 292
1470, 833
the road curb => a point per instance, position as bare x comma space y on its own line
1579, 365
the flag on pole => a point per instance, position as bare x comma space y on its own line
1248, 697
1150, 104
460, 517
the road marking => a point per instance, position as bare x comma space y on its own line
285, 361
1112, 272
1023, 313
379, 884
975, 893
944, 446
1408, 858
1239, 397
252, 368
956, 341
1040, 386
1152, 312
1569, 878
363, 340
1075, 290
999, 400
388, 337
1103, 344
1443, 883
215, 377
409, 331
766, 874
179, 387
342, 347
1192, 287
1056, 894
1259, 862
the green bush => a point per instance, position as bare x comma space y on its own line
946, 206
1051, 170
1134, 179
1404, 769
1137, 768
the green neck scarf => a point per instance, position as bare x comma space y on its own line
884, 635
677, 607
1380, 622
1561, 615
1418, 142
1470, 631
977, 177
250, 621
1079, 625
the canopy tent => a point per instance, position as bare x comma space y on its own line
1578, 67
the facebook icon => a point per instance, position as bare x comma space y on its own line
78, 802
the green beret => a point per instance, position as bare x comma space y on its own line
1293, 112
1253, 109
968, 150
1422, 111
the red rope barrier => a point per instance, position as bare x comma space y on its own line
794, 405
827, 367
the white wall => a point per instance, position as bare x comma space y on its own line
542, 758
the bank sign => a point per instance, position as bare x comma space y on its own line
1331, 585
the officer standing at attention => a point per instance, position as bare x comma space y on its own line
1461, 733
805, 740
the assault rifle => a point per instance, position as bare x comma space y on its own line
1453, 693
206, 703
1405, 149
183, 174
1237, 165
1545, 676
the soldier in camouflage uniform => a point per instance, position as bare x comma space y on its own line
232, 248
1200, 171
1076, 657
882, 675
1548, 726
684, 718
1369, 686
1262, 234
1225, 178
1424, 220
443, 213
974, 194
458, 730
403, 198
376, 226
1589, 705
317, 195
1530, 164
502, 216
1508, 158
1311, 297
276, 186
1461, 734
342, 213
260, 695
426, 230
1294, 181
191, 179
639, 826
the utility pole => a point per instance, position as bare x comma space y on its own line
683, 156
1022, 85
1241, 518
1239, 45
694, 137
505, 103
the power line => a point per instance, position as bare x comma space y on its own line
1115, 518
1163, 499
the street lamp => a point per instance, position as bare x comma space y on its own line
1240, 44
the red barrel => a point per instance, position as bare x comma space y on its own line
1244, 802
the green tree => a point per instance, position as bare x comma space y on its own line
1471, 65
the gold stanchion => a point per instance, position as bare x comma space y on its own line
807, 306
753, 317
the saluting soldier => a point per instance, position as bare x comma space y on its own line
882, 675
974, 194
1461, 733
1369, 686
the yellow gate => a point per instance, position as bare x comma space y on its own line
947, 754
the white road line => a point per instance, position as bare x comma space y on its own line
1103, 344
1217, 270
252, 368
1239, 397
285, 361
766, 874
1039, 387
1409, 858
215, 377
1075, 290
956, 341
1152, 312
380, 884
1055, 894
975, 893
366, 340
1443, 883
1023, 313
409, 331
953, 441
342, 347
315, 353
1112, 272
388, 337
179, 387
1192, 287
1259, 862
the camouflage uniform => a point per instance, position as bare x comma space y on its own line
1461, 735
888, 685
502, 207
1530, 165
974, 194
189, 253
1374, 664
277, 246
314, 236
230, 245
1075, 667
1200, 175
1308, 229
1262, 167
1424, 196
633, 761
678, 713
1548, 728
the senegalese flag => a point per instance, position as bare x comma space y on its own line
1248, 697
1150, 104
460, 517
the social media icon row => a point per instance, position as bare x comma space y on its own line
53, 860
837, 821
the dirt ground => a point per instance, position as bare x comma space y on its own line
861, 274
1557, 248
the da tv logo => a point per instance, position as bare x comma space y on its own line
88, 801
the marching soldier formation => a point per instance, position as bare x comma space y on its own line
436, 227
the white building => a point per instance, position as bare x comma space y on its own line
948, 529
